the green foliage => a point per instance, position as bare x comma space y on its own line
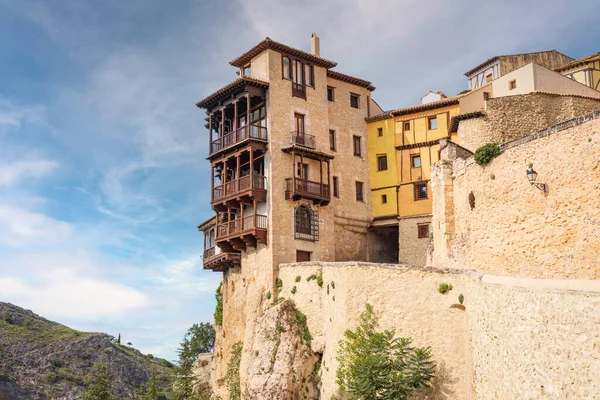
51, 377
304, 332
8, 317
294, 290
376, 365
152, 392
486, 153
461, 298
119, 339
27, 323
320, 279
268, 295
311, 277
332, 284
445, 288
279, 283
97, 384
493, 177
280, 328
298, 278
232, 377
219, 308
56, 363
589, 139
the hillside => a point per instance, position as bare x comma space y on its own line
41, 359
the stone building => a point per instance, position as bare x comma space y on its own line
289, 175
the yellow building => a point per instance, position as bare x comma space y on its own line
586, 70
403, 144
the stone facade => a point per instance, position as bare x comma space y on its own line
490, 218
412, 248
512, 117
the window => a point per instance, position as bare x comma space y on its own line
512, 84
310, 79
383, 198
354, 100
357, 149
432, 121
247, 71
302, 171
330, 93
488, 78
336, 187
382, 163
415, 161
486, 95
298, 88
379, 132
406, 126
306, 223
423, 231
332, 145
359, 192
420, 191
286, 68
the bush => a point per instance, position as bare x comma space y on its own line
219, 308
294, 290
51, 377
378, 365
311, 277
232, 377
304, 332
279, 283
56, 363
26, 323
461, 298
298, 278
8, 317
332, 284
486, 153
320, 280
280, 328
445, 288
268, 295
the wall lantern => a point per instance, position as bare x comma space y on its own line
532, 177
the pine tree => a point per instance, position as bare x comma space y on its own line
119, 339
152, 393
98, 385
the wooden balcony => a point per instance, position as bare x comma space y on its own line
239, 233
221, 261
303, 139
296, 189
245, 190
239, 136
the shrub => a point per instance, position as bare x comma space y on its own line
98, 384
56, 363
232, 377
8, 317
320, 279
304, 332
219, 308
26, 323
311, 277
280, 328
378, 365
332, 284
445, 288
279, 283
461, 298
51, 377
486, 153
268, 295
294, 289
298, 278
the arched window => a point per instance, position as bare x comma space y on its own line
306, 224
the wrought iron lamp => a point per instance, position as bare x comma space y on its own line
532, 177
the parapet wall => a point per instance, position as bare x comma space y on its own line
517, 338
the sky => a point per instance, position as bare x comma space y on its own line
103, 177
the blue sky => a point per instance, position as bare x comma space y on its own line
103, 177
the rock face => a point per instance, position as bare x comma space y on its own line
281, 361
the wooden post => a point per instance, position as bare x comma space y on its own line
210, 134
328, 178
224, 180
235, 116
251, 167
212, 182
223, 121
321, 175
293, 172
237, 172
255, 212
248, 130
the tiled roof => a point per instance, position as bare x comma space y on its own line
380, 117
424, 107
461, 117
268, 43
306, 151
494, 59
577, 63
232, 87
350, 79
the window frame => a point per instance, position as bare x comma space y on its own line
429, 120
360, 194
420, 230
332, 89
416, 191
512, 85
336, 187
357, 96
491, 75
289, 68
379, 132
306, 224
332, 140
404, 128
412, 161
384, 199
379, 158
356, 140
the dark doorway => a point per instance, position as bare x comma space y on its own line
383, 244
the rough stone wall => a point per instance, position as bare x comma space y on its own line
512, 117
514, 228
412, 249
518, 338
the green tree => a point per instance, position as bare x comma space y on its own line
219, 307
119, 339
97, 384
152, 393
378, 365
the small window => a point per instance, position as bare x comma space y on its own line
432, 121
310, 78
512, 85
357, 149
286, 68
422, 231
354, 100
330, 93
383, 198
247, 71
486, 95
332, 144
359, 192
489, 78
415, 161
379, 132
382, 163
336, 187
420, 191
407, 126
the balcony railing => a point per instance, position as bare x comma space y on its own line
237, 136
208, 253
241, 225
307, 189
303, 139
248, 182
298, 90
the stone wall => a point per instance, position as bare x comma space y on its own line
511, 227
518, 338
512, 117
412, 249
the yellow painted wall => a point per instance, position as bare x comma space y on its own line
419, 132
382, 182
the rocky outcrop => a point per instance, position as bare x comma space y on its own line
282, 364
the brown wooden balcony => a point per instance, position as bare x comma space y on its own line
221, 261
242, 190
298, 90
303, 139
241, 232
297, 188
238, 136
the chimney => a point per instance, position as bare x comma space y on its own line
315, 45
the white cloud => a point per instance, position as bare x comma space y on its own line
20, 227
13, 116
16, 171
